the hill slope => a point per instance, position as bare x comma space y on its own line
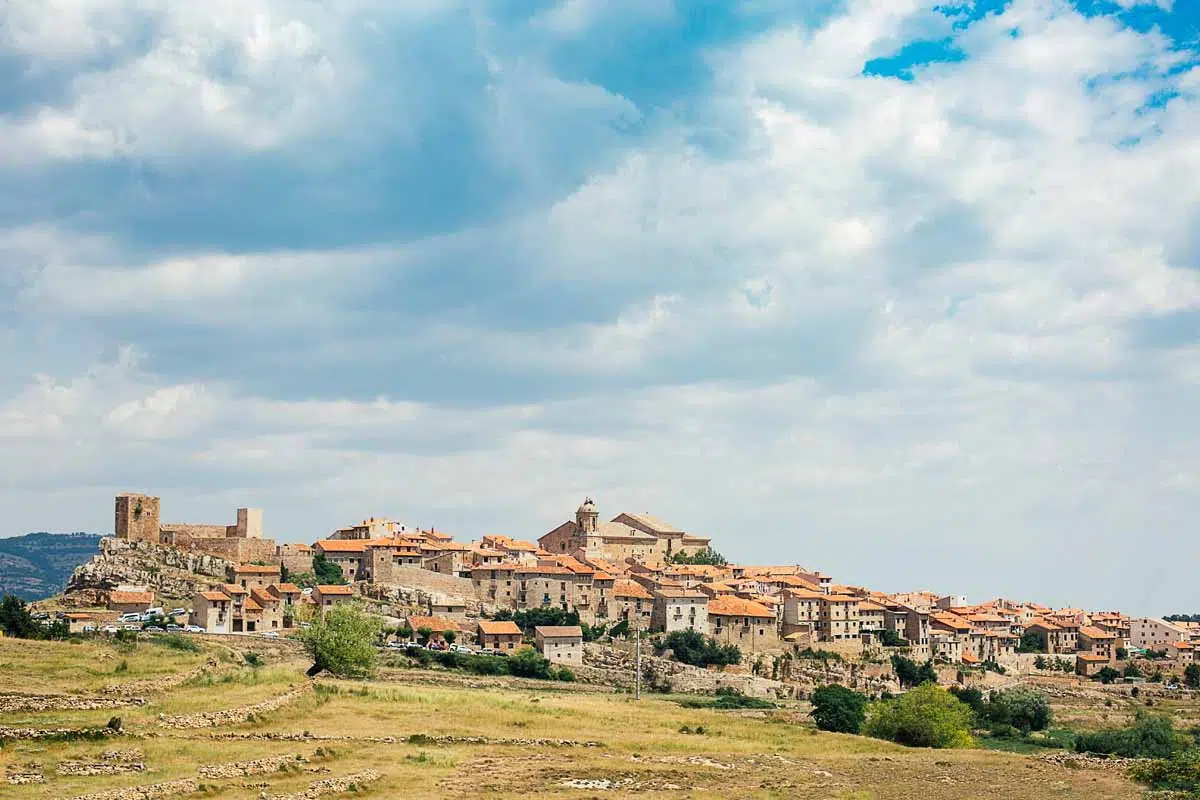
38, 565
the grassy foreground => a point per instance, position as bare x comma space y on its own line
641, 748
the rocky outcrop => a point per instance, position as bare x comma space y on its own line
174, 574
234, 716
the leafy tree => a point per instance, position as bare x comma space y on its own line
692, 647
449, 637
531, 618
404, 632
838, 709
1191, 676
424, 634
1122, 654
1022, 707
1131, 671
1107, 675
1041, 662
528, 663
927, 716
342, 642
973, 698
909, 673
1179, 774
1032, 642
326, 572
15, 619
706, 556
889, 638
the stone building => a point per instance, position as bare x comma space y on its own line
137, 517
679, 610
130, 599
501, 635
561, 644
749, 625
637, 536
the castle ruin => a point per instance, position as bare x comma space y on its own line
138, 518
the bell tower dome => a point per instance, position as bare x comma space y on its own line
587, 517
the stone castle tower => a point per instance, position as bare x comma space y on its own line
137, 518
587, 517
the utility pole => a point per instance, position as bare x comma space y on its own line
637, 661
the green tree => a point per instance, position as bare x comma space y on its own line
1131, 671
1107, 675
1191, 676
927, 716
1041, 662
973, 698
15, 619
424, 634
693, 647
528, 663
342, 642
909, 673
1022, 707
404, 632
705, 556
889, 638
1032, 642
838, 709
1150, 736
1179, 774
449, 637
326, 572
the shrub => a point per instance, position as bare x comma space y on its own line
838, 709
528, 663
705, 556
1191, 676
728, 697
927, 716
692, 647
325, 572
174, 641
1022, 707
819, 655
1131, 671
889, 638
1151, 736
1180, 773
342, 642
564, 674
1107, 675
532, 618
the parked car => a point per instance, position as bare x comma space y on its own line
395, 645
129, 626
174, 629
178, 612
270, 634
154, 629
109, 629
151, 613
89, 628
461, 648
131, 616
193, 629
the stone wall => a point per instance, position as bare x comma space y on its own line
403, 600
293, 560
610, 667
433, 582
174, 574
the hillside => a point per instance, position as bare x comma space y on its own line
38, 565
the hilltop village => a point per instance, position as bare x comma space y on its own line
635, 572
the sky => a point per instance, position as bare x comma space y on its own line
906, 293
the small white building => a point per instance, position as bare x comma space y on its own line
561, 644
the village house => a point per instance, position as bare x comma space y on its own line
633, 604
678, 610
839, 618
1151, 633
249, 576
749, 625
1053, 637
130, 599
561, 644
500, 635
1089, 664
801, 615
326, 597
348, 554
212, 610
1099, 642
437, 628
494, 583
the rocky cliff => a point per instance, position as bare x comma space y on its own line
37, 565
175, 575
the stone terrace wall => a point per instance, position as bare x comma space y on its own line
414, 589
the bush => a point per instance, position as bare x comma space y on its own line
327, 573
819, 655
564, 674
692, 647
927, 716
1022, 707
1151, 736
528, 663
1191, 676
838, 709
729, 698
174, 641
1107, 675
1180, 773
342, 642
532, 618
705, 556
1131, 671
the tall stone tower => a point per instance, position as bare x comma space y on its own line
587, 517
137, 518
249, 523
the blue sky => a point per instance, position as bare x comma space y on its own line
906, 293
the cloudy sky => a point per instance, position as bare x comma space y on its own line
907, 294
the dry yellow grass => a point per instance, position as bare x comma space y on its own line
641, 751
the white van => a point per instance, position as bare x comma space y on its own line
151, 613
130, 616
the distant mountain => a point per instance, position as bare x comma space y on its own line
38, 565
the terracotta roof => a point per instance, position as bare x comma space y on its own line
498, 627
289, 588
840, 598
232, 589
1095, 633
631, 589
1044, 624
949, 620
131, 598
602, 576
867, 605
215, 597
334, 589
559, 631
435, 624
254, 569
1095, 659
342, 545
803, 594
969, 659
725, 606
250, 605
262, 596
680, 594
544, 571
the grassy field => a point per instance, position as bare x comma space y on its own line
640, 747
